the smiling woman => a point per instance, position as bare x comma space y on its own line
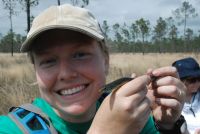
68, 71
71, 62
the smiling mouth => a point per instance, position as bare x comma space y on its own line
72, 91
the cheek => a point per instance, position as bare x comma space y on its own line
95, 70
98, 69
193, 87
45, 80
196, 86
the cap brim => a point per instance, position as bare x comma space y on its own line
193, 74
87, 31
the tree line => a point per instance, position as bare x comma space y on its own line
138, 36
12, 40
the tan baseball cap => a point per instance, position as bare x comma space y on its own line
63, 17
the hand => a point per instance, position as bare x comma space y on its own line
197, 131
167, 95
125, 109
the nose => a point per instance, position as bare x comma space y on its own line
67, 71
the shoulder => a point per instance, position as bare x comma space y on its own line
8, 126
41, 104
45, 107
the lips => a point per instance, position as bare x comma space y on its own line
71, 91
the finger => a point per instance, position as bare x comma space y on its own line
143, 109
169, 103
171, 81
168, 80
134, 100
134, 86
131, 103
169, 91
137, 98
149, 71
151, 96
166, 71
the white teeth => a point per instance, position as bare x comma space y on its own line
72, 90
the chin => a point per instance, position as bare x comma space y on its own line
76, 110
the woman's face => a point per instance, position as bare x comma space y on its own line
192, 84
70, 75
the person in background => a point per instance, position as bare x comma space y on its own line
69, 54
189, 73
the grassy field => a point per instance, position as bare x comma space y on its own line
17, 78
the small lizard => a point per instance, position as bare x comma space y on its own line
115, 85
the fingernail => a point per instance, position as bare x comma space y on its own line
155, 73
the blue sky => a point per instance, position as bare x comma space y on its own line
111, 10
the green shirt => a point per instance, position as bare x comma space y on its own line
7, 126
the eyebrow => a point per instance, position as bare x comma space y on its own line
41, 52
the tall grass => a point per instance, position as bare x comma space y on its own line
16, 81
124, 64
17, 76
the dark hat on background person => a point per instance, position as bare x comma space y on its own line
187, 67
